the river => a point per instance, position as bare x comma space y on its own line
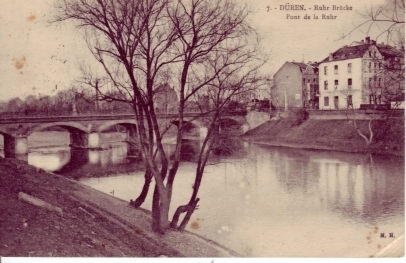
258, 200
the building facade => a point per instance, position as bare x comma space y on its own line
295, 85
165, 99
354, 75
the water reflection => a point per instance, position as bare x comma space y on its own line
265, 201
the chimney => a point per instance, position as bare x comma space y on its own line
362, 41
373, 41
367, 39
330, 57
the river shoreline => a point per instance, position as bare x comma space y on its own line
332, 147
109, 227
330, 135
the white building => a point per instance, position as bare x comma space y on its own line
353, 75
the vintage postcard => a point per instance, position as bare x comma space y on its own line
211, 129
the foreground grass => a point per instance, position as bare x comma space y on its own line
93, 224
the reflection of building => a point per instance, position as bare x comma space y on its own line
357, 74
295, 85
165, 99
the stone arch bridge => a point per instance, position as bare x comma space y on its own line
84, 130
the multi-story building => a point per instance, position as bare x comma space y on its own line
356, 75
295, 85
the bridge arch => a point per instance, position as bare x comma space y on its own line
133, 149
4, 131
229, 126
192, 128
126, 123
71, 127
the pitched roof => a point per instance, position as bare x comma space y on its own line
348, 52
301, 65
389, 51
358, 51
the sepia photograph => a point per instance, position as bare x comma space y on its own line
217, 130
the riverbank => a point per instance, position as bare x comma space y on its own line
336, 135
93, 224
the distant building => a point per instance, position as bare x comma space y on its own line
295, 85
356, 75
165, 99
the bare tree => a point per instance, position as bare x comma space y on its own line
239, 77
387, 19
384, 68
135, 41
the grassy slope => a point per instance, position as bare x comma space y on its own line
389, 135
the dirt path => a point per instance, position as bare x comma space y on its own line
108, 228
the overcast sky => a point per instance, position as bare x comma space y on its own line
38, 58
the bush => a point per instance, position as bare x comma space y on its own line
300, 115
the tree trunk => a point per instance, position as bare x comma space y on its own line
164, 214
368, 141
189, 209
371, 133
141, 198
155, 210
188, 215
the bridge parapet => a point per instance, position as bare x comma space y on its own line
84, 130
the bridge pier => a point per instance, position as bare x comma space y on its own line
203, 132
84, 140
16, 147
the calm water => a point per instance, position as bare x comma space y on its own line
263, 201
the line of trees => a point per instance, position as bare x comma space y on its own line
65, 102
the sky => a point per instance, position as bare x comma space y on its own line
41, 58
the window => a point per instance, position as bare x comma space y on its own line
325, 70
370, 54
325, 85
304, 81
370, 82
369, 67
349, 101
365, 67
314, 80
349, 67
371, 99
379, 82
309, 80
350, 83
326, 102
336, 84
375, 68
336, 69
